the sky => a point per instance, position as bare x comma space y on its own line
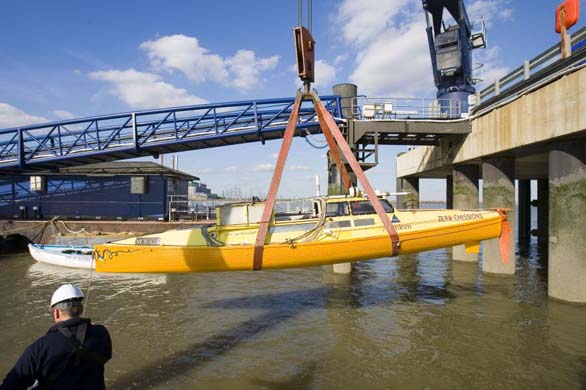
67, 59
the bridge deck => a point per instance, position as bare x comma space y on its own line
112, 137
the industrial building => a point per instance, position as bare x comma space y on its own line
108, 191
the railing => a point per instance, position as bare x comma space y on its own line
180, 208
529, 68
367, 108
139, 132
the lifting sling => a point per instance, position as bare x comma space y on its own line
304, 46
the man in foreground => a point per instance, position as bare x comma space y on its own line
71, 355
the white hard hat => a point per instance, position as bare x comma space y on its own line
65, 293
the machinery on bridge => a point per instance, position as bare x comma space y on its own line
451, 48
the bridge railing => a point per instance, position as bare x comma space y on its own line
530, 67
137, 132
368, 108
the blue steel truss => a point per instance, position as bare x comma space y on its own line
144, 133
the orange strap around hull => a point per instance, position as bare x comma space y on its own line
335, 140
263, 227
357, 169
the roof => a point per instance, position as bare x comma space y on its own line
129, 168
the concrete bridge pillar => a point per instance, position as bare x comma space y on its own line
347, 93
411, 185
567, 222
498, 176
543, 211
524, 210
465, 196
450, 192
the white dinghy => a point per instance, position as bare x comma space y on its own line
63, 255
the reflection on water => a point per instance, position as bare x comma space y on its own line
418, 321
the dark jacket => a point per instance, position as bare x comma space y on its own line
52, 361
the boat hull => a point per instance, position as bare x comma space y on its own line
53, 254
166, 258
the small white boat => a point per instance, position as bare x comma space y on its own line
63, 255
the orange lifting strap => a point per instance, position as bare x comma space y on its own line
304, 47
335, 140
267, 212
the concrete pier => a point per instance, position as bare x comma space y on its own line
498, 176
465, 196
524, 210
513, 140
347, 93
567, 222
411, 185
450, 192
543, 211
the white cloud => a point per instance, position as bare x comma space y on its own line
145, 90
179, 52
183, 53
392, 54
363, 20
11, 116
506, 14
396, 61
325, 74
245, 69
62, 114
340, 58
269, 167
492, 67
232, 169
490, 11
298, 168
264, 168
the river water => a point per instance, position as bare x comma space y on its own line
414, 322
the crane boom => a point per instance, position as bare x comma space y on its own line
450, 47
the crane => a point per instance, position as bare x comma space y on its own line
451, 52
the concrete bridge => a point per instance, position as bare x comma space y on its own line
537, 132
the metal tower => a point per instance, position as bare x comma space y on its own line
451, 48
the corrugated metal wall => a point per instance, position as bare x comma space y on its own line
83, 197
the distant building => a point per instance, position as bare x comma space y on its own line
199, 191
113, 190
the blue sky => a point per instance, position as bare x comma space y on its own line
64, 59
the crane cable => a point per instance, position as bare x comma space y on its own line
300, 14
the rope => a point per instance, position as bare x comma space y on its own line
89, 287
7, 232
307, 139
68, 230
312, 233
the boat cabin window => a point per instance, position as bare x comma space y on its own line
337, 209
363, 207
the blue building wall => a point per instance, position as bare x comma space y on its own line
87, 197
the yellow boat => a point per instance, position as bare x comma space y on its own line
310, 232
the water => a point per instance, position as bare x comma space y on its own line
415, 322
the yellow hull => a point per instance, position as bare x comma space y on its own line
370, 244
